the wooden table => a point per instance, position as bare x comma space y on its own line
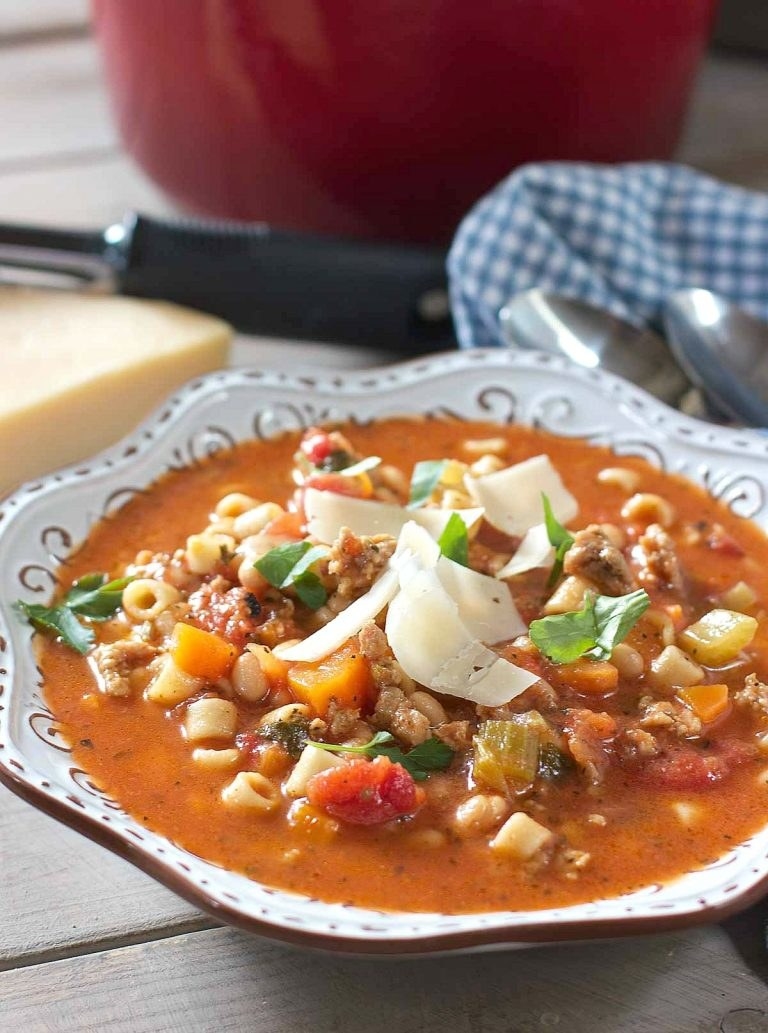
89, 943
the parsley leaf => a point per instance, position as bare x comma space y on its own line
288, 565
454, 541
559, 538
92, 597
592, 631
425, 478
431, 755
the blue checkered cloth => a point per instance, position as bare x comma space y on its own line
621, 237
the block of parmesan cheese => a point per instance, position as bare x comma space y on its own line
79, 371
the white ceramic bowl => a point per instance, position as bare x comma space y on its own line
41, 523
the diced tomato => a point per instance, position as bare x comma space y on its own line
316, 445
356, 487
364, 792
720, 541
689, 769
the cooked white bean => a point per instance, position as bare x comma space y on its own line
248, 679
479, 814
627, 661
662, 624
146, 598
251, 791
210, 718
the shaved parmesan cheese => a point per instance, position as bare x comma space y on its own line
335, 633
486, 606
535, 551
436, 624
478, 674
512, 497
415, 545
434, 520
327, 511
424, 628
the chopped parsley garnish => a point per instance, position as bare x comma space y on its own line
293, 736
559, 538
592, 631
425, 478
431, 755
454, 541
92, 597
288, 566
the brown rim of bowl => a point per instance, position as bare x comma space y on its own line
556, 932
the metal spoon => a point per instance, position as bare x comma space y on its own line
724, 351
592, 337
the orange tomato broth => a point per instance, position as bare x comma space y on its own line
136, 752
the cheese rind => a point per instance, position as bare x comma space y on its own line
80, 371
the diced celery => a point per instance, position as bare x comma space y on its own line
506, 751
718, 637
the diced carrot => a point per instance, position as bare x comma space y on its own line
590, 677
708, 702
344, 676
201, 653
357, 485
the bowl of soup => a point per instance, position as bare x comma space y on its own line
464, 652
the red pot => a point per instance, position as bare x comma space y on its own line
388, 118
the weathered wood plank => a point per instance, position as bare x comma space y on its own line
222, 979
52, 103
25, 18
61, 894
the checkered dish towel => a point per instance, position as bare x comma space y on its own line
622, 237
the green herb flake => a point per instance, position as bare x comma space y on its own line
425, 478
289, 565
593, 631
559, 538
454, 541
431, 755
92, 597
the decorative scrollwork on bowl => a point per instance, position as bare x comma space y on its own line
85, 782
558, 413
37, 578
204, 444
742, 493
44, 725
497, 403
641, 448
284, 416
57, 542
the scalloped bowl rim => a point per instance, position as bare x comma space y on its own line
44, 519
